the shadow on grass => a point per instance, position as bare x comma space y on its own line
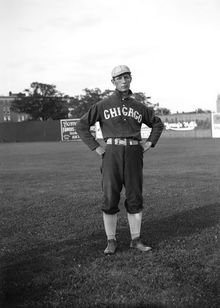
184, 223
18, 283
27, 276
181, 224
131, 306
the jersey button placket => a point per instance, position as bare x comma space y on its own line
124, 119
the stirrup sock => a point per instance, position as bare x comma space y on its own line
134, 221
110, 224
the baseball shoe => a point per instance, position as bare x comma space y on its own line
111, 247
137, 244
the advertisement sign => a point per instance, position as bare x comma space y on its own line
68, 130
215, 125
98, 131
145, 131
180, 125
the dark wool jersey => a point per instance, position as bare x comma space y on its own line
119, 118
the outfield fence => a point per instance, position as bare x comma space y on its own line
195, 133
30, 131
51, 131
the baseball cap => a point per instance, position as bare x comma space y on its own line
120, 69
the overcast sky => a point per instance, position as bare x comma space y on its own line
171, 46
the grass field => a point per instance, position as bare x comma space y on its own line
52, 236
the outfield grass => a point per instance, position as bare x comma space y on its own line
52, 237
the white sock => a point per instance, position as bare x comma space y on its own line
134, 221
110, 224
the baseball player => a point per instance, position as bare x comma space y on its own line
120, 117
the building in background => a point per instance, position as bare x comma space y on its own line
6, 115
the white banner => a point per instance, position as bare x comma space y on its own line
215, 125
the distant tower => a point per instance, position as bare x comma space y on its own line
218, 103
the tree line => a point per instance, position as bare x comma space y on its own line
44, 102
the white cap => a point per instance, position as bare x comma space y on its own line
120, 69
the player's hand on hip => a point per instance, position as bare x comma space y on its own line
100, 150
146, 146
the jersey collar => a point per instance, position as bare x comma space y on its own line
119, 94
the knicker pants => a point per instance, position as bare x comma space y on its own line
122, 165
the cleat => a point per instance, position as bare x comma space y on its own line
111, 247
137, 244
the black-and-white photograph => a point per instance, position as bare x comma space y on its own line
109, 153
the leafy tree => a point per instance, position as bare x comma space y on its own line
42, 102
141, 97
162, 111
79, 105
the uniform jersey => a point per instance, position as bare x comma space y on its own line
119, 118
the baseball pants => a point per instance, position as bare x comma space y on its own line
122, 166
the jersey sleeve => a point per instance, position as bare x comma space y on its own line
83, 127
155, 123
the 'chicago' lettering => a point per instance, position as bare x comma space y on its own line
125, 111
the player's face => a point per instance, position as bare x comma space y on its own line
122, 82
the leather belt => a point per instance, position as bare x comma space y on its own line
122, 141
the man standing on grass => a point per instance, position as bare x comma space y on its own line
120, 117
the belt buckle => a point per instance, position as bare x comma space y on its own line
123, 141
